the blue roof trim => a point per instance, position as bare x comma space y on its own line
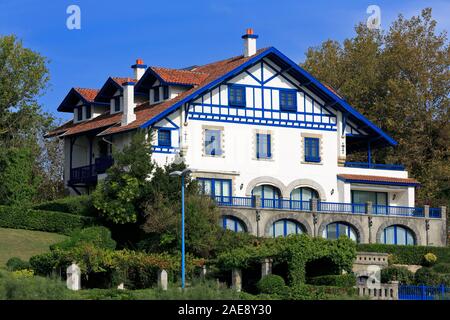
252, 36
108, 82
294, 66
384, 183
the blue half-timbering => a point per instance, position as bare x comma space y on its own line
270, 98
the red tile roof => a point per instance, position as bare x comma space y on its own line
87, 93
61, 129
199, 76
180, 76
120, 80
372, 179
104, 120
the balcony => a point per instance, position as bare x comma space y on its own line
379, 166
326, 207
87, 175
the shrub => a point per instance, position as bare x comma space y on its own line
25, 273
79, 205
32, 288
429, 259
427, 276
15, 264
342, 280
442, 268
100, 237
311, 292
50, 221
400, 274
44, 264
271, 284
407, 254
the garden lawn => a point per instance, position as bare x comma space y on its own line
25, 243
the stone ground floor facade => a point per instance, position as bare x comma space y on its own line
367, 228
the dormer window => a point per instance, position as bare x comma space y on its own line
165, 92
88, 112
156, 94
80, 114
117, 104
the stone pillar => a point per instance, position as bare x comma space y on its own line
444, 212
236, 279
313, 204
257, 201
162, 279
369, 207
266, 267
73, 277
426, 211
315, 220
395, 289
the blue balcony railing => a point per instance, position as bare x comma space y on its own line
88, 174
325, 207
381, 166
435, 213
398, 211
341, 207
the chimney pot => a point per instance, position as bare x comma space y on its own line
139, 61
249, 30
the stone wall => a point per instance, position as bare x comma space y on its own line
369, 227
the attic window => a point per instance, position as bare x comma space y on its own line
166, 92
88, 112
117, 104
156, 94
80, 114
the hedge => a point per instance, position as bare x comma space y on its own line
50, 221
401, 274
80, 205
341, 280
407, 254
271, 284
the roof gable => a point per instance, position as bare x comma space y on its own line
75, 95
221, 71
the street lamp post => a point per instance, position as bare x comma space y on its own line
182, 174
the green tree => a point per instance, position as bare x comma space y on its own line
19, 184
163, 214
120, 196
400, 80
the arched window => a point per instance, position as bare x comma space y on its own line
337, 229
270, 195
397, 234
304, 194
286, 227
234, 224
300, 196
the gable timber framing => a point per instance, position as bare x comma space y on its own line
310, 83
262, 104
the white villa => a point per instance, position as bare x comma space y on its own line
266, 139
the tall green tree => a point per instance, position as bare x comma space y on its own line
120, 196
400, 80
24, 77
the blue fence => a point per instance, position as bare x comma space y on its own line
341, 207
406, 292
380, 166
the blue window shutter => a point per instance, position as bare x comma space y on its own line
269, 148
257, 145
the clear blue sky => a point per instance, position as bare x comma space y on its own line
180, 33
